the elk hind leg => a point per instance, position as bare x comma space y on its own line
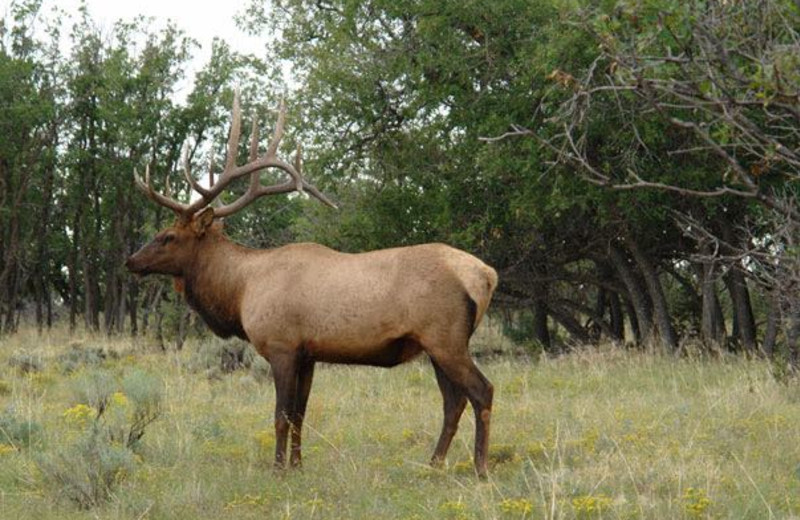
454, 403
463, 373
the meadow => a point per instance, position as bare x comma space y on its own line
597, 433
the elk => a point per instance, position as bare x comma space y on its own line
305, 303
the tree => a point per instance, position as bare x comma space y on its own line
29, 134
721, 80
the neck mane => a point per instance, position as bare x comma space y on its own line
214, 284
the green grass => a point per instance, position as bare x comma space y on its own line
606, 434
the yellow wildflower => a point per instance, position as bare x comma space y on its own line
590, 504
6, 449
79, 415
516, 506
695, 502
119, 399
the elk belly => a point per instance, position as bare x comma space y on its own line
388, 354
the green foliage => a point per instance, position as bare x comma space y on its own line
26, 362
89, 470
18, 433
216, 357
521, 330
93, 388
80, 356
108, 421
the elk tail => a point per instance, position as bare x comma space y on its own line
479, 295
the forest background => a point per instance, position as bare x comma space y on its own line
630, 168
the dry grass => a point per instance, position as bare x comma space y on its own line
596, 434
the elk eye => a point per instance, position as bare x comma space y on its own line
166, 239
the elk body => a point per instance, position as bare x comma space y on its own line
305, 303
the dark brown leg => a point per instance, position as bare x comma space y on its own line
284, 370
454, 403
305, 375
481, 396
463, 373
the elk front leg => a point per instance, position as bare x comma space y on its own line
305, 375
284, 371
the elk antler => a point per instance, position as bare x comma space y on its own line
231, 172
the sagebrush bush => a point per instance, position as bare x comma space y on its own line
26, 362
87, 471
80, 355
143, 393
18, 432
110, 415
94, 388
217, 356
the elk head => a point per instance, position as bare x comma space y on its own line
174, 248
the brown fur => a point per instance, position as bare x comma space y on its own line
304, 303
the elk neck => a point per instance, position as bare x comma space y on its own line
214, 284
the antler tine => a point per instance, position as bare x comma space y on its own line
304, 185
187, 171
252, 168
310, 188
147, 188
253, 156
272, 149
236, 129
254, 139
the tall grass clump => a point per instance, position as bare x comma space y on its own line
104, 427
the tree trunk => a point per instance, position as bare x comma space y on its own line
541, 331
744, 324
609, 299
73, 283
616, 318
663, 321
793, 336
742, 310
641, 317
133, 306
572, 325
183, 327
90, 293
712, 324
774, 319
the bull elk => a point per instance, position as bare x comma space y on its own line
303, 303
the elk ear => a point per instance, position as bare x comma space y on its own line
202, 221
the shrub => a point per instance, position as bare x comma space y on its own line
112, 416
79, 356
143, 393
87, 471
94, 388
26, 363
219, 356
18, 433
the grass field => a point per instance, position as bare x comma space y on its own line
594, 434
